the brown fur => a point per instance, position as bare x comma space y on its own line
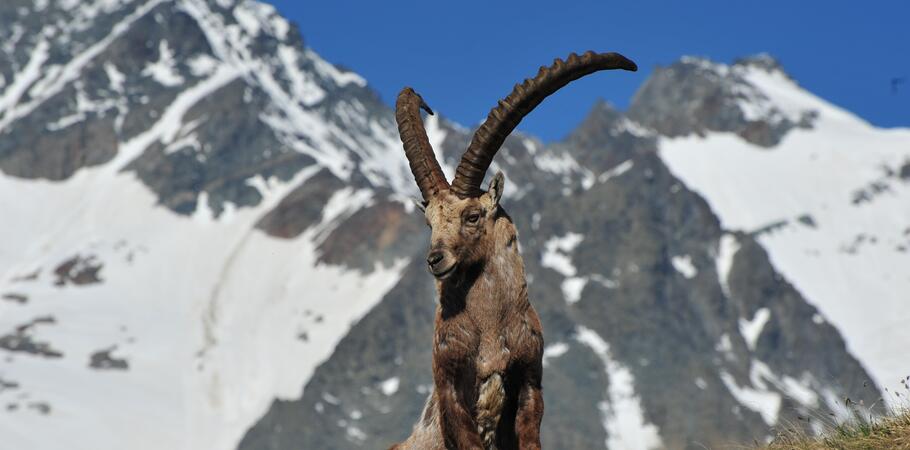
488, 341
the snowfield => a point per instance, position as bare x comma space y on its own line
209, 345
203, 322
845, 214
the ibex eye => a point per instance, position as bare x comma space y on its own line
473, 218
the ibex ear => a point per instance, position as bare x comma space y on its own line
496, 186
419, 204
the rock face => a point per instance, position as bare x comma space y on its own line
21, 339
229, 228
696, 96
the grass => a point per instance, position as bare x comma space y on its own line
890, 432
861, 432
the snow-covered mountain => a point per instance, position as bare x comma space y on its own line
830, 203
206, 243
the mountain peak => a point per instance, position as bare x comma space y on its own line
761, 60
697, 95
602, 113
764, 61
150, 87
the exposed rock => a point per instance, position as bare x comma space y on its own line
606, 138
78, 270
381, 233
302, 207
870, 192
57, 154
21, 339
6, 385
223, 164
102, 360
807, 220
763, 61
43, 408
31, 276
769, 228
15, 297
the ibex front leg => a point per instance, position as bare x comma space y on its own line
529, 354
530, 412
459, 429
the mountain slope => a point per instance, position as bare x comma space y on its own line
830, 205
210, 246
200, 140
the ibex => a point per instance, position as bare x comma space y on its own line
488, 341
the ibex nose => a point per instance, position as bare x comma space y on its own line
434, 257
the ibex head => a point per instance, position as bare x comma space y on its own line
463, 229
466, 221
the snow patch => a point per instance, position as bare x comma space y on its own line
572, 288
303, 86
164, 71
202, 65
24, 79
762, 401
115, 76
554, 351
247, 19
355, 434
341, 205
620, 169
683, 265
330, 71
751, 329
280, 27
623, 416
725, 347
437, 136
727, 249
390, 386
557, 256
557, 251
801, 390
559, 163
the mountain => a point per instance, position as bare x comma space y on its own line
208, 243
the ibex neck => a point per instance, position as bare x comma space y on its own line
498, 282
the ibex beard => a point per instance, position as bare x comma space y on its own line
488, 342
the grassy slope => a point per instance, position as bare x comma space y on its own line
892, 432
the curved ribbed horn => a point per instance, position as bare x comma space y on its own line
421, 158
524, 98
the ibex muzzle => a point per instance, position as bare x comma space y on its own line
488, 342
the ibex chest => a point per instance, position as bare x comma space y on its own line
485, 340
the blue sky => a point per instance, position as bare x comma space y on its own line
463, 56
